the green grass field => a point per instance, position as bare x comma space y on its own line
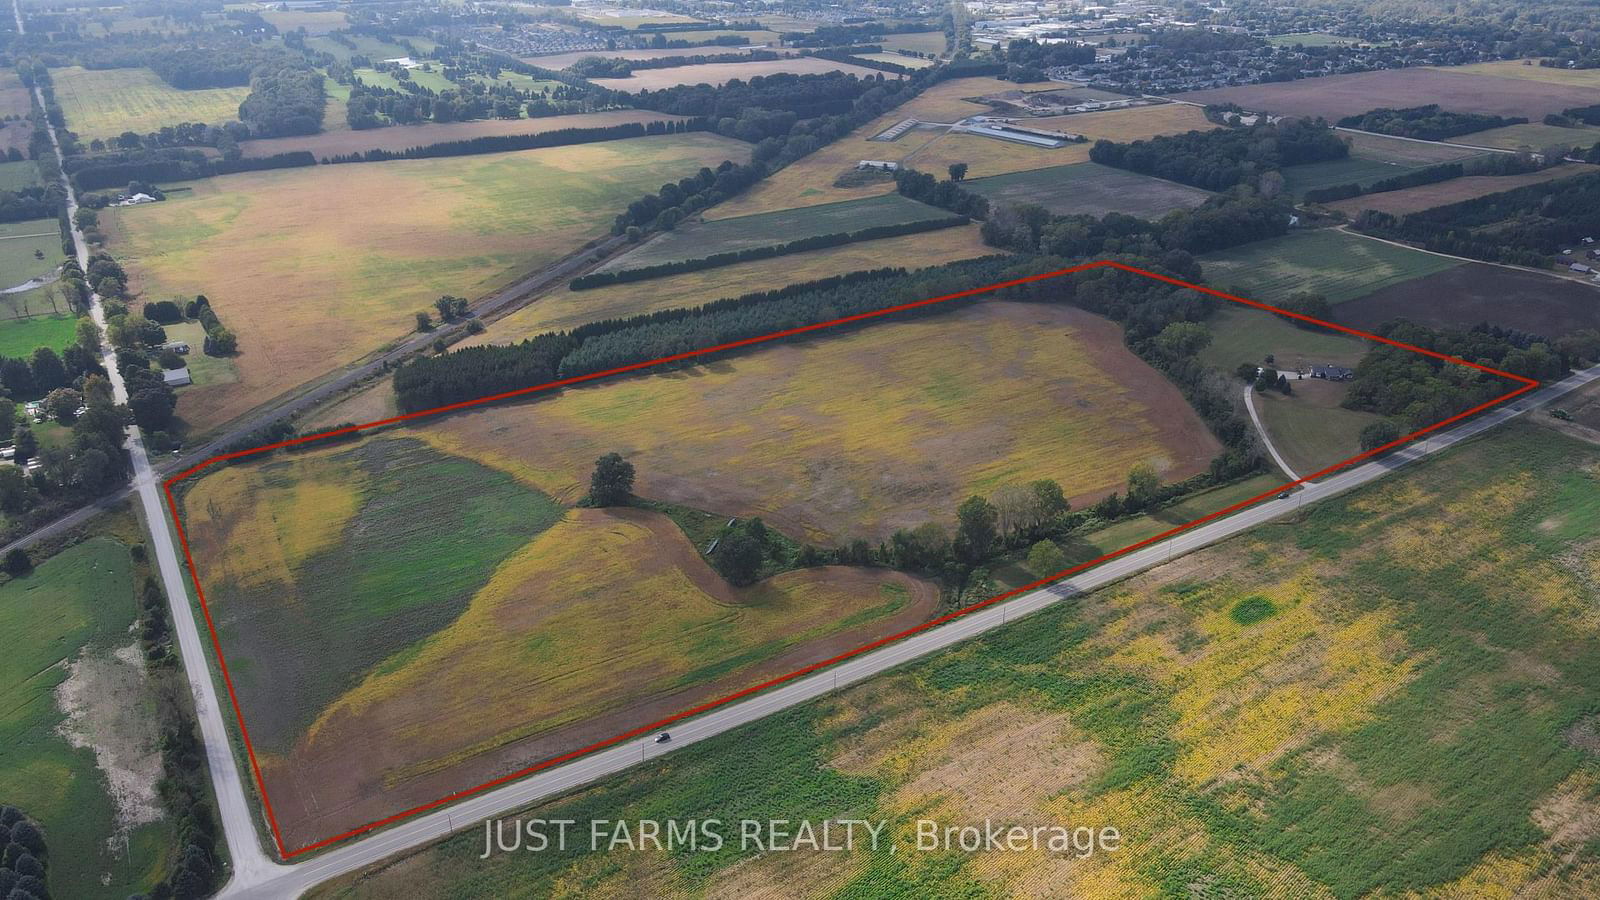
1090, 188
103, 103
1337, 265
1394, 693
433, 81
918, 42
80, 598
1309, 427
205, 370
20, 174
20, 337
765, 229
1299, 179
1240, 335
28, 250
367, 46
1535, 136
519, 81
1372, 158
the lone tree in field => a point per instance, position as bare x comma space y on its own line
612, 481
958, 171
18, 563
739, 557
976, 532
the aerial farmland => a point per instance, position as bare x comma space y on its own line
799, 450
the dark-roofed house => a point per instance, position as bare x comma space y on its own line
1333, 373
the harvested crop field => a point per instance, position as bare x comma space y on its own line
1248, 712
1467, 294
1416, 154
811, 180
1410, 200
917, 42
717, 73
1535, 136
562, 309
299, 265
1339, 266
16, 103
387, 690
1514, 68
858, 434
400, 137
558, 61
103, 103
1336, 96
1090, 188
693, 241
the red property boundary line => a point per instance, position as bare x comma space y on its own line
1527, 384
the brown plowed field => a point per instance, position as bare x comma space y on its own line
1466, 295
1346, 95
1428, 196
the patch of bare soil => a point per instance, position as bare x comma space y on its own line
105, 699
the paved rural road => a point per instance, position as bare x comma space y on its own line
1261, 429
287, 881
250, 863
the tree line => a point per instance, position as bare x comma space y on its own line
504, 142
117, 170
618, 67
1495, 164
784, 125
1428, 123
799, 245
1219, 159
1522, 226
850, 56
32, 202
474, 372
1221, 222
1413, 178
1414, 391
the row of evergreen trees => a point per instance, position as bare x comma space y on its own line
1413, 178
502, 143
98, 173
799, 245
1528, 225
